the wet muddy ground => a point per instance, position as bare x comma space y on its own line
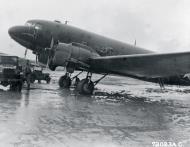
121, 112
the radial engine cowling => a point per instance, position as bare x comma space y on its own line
74, 52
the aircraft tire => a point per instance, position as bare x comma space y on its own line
65, 82
85, 87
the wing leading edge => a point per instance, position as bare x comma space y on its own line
144, 65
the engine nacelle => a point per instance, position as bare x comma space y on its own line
74, 52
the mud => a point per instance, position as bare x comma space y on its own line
121, 112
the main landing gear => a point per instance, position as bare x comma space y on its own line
65, 81
84, 86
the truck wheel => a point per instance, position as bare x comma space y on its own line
16, 86
13, 86
65, 82
4, 83
32, 79
48, 79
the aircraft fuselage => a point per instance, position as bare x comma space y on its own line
42, 31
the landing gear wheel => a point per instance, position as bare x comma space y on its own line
65, 82
85, 86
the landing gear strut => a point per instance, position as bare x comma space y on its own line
65, 81
77, 80
85, 86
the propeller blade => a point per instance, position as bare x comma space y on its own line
50, 51
52, 43
47, 65
36, 58
25, 53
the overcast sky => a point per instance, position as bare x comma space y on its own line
159, 25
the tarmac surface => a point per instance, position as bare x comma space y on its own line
121, 112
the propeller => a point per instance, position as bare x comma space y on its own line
25, 53
52, 42
135, 42
36, 58
51, 52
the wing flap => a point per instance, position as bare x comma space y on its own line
144, 65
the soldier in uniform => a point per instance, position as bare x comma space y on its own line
27, 74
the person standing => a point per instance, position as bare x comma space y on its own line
27, 74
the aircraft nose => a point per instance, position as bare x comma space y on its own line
11, 31
15, 31
23, 35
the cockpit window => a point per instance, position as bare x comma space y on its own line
29, 24
36, 26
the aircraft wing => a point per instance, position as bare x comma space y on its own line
144, 65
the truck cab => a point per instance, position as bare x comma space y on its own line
11, 72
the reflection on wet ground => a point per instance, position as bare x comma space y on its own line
121, 112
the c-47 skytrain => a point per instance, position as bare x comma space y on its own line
58, 44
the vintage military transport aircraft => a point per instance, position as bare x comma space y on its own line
58, 44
